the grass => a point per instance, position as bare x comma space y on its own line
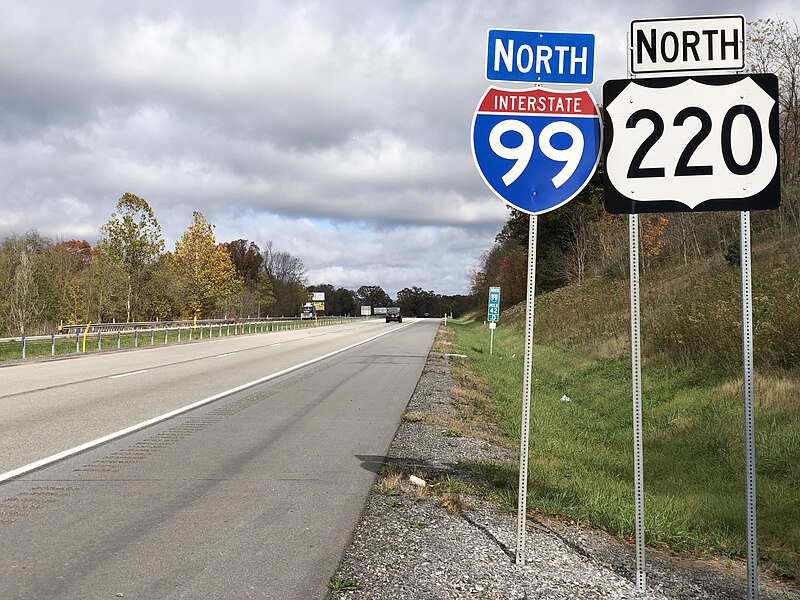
339, 584
580, 463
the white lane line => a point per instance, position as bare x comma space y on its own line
278, 344
226, 354
117, 434
129, 374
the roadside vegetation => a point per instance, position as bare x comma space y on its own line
581, 437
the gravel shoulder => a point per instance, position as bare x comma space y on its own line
408, 546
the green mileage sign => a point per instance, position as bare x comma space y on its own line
493, 315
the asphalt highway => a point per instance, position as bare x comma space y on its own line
252, 493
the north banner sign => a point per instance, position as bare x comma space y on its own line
536, 148
687, 44
691, 144
540, 56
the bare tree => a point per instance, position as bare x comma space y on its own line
283, 267
24, 305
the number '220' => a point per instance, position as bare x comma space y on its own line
683, 167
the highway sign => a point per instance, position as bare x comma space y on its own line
540, 56
687, 44
536, 148
494, 305
691, 143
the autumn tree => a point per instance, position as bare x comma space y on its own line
71, 261
133, 237
205, 268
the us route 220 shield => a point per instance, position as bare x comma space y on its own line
536, 148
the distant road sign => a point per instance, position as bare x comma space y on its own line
691, 143
536, 148
687, 44
540, 56
494, 305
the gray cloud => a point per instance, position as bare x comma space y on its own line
338, 130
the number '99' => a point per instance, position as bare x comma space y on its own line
521, 154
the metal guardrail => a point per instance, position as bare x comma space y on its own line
130, 326
117, 336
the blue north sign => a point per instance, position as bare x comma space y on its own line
540, 56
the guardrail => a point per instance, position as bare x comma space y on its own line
80, 339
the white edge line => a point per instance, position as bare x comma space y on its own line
112, 436
129, 373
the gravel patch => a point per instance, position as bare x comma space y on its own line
407, 547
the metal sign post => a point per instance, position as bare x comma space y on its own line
522, 505
636, 376
749, 428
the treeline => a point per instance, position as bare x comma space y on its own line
128, 276
580, 240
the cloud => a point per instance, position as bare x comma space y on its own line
338, 130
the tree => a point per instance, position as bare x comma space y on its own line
107, 288
28, 296
24, 305
205, 268
246, 257
345, 302
288, 276
373, 295
133, 237
416, 302
773, 46
71, 261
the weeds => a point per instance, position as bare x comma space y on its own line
339, 584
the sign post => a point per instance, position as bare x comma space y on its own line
690, 144
493, 314
536, 149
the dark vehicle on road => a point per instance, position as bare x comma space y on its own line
393, 314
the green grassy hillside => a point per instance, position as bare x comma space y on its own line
581, 453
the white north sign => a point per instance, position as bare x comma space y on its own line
687, 44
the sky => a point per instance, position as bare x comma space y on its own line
340, 131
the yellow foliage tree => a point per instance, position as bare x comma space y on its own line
205, 267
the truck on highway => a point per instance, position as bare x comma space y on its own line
308, 311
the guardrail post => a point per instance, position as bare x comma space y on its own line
52, 344
201, 331
23, 347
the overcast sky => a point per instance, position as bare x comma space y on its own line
339, 130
